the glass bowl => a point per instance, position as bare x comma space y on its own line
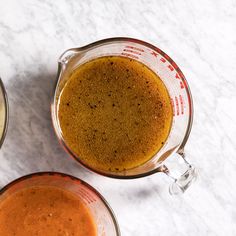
102, 213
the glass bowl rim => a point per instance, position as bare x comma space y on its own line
72, 178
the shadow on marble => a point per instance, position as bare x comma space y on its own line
31, 144
133, 191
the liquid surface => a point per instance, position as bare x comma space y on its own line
45, 211
114, 113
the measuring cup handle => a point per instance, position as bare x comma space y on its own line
180, 171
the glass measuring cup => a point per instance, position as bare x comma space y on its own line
102, 213
170, 159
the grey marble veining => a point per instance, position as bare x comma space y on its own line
199, 35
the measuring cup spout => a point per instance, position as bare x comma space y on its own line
66, 62
180, 171
68, 55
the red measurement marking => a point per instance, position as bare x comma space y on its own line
181, 104
177, 76
177, 105
170, 67
131, 51
163, 60
182, 82
181, 85
129, 55
173, 106
138, 49
155, 54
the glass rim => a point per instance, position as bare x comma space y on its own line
72, 178
108, 41
6, 108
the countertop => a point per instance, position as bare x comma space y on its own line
199, 35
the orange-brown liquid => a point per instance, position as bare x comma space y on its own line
114, 113
45, 211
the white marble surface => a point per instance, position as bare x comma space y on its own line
199, 35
